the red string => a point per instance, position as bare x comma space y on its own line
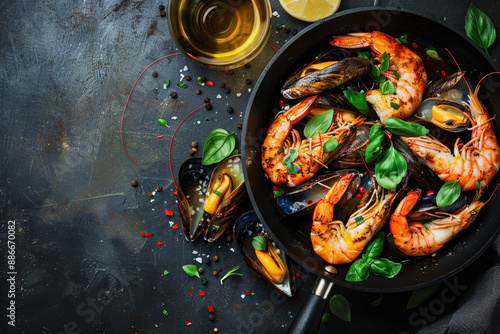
172, 140
128, 99
272, 46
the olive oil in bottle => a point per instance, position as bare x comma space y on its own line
220, 33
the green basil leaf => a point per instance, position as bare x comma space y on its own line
340, 307
235, 152
402, 39
390, 241
280, 191
375, 73
259, 243
325, 318
162, 122
357, 99
330, 145
431, 52
291, 157
420, 296
376, 245
292, 168
478, 186
191, 270
376, 302
387, 88
374, 147
390, 168
358, 271
384, 66
182, 84
167, 83
319, 123
385, 268
448, 194
218, 146
479, 28
366, 55
281, 150
397, 75
395, 106
359, 220
403, 128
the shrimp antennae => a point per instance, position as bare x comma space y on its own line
461, 73
492, 194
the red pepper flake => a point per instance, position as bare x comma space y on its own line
175, 227
168, 212
210, 309
275, 188
361, 190
282, 103
202, 293
248, 292
175, 192
188, 322
226, 71
149, 235
430, 193
210, 83
159, 136
358, 195
227, 231
160, 243
443, 73
190, 293
414, 45
297, 275
143, 234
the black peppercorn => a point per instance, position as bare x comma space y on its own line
211, 317
198, 91
204, 281
206, 100
287, 30
154, 74
200, 270
229, 238
222, 85
248, 81
215, 258
208, 106
188, 78
227, 91
173, 95
163, 13
215, 273
161, 7
159, 189
194, 144
203, 79
150, 194
239, 126
134, 183
193, 151
294, 31
230, 109
206, 261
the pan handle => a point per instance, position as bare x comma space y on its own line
309, 317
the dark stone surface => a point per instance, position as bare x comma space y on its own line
66, 70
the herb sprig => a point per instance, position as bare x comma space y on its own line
230, 273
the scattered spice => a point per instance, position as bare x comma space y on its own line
206, 261
211, 317
201, 293
215, 273
297, 275
163, 122
443, 73
150, 194
361, 190
206, 100
188, 78
134, 183
282, 103
175, 192
160, 243
143, 234
201, 80
188, 322
168, 212
227, 91
287, 30
215, 258
210, 309
231, 273
248, 81
149, 235
430, 193
204, 281
194, 144
294, 31
210, 83
215, 330
230, 109
182, 84
414, 45
358, 195
165, 313
175, 227
198, 91
173, 95
190, 293
165, 272
223, 85
279, 26
248, 292
161, 7
163, 13
220, 269
154, 74
159, 136
193, 151
200, 270
228, 238
208, 106
159, 189
167, 83
239, 126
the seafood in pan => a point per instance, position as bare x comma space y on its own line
409, 161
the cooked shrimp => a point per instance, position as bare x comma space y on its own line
311, 156
417, 239
476, 161
410, 87
338, 244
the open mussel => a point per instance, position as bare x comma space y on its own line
192, 186
351, 158
262, 255
210, 198
426, 207
333, 75
446, 108
299, 202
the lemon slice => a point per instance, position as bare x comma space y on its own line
310, 10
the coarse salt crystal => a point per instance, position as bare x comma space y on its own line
171, 223
173, 117
249, 90
198, 259
275, 13
238, 94
185, 68
199, 122
243, 296
152, 200
164, 86
195, 252
232, 250
182, 77
218, 96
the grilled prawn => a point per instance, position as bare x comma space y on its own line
410, 87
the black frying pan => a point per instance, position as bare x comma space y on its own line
458, 253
